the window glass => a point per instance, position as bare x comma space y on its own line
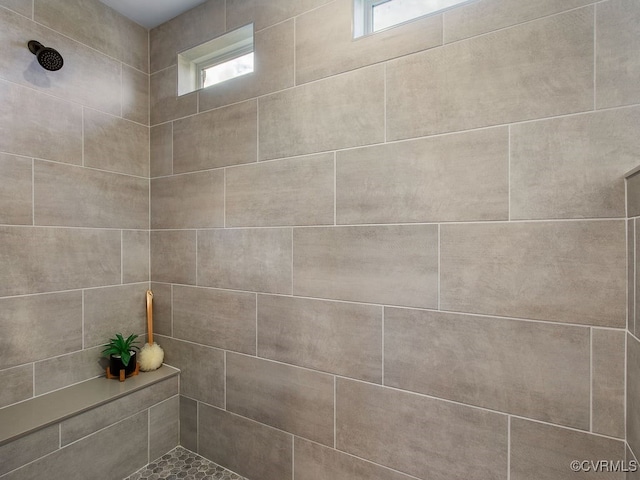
227, 70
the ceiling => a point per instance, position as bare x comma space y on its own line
151, 13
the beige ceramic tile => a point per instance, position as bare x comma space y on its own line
18, 384
264, 14
81, 197
135, 256
421, 436
193, 27
218, 318
65, 370
246, 259
162, 308
57, 259
634, 471
173, 257
112, 310
534, 70
164, 427
396, 265
272, 70
188, 423
545, 452
57, 123
297, 191
16, 193
135, 95
194, 200
505, 365
608, 382
201, 369
31, 327
456, 177
88, 77
631, 272
29, 448
244, 446
23, 7
164, 103
161, 139
634, 282
335, 337
557, 271
483, 16
226, 136
316, 462
617, 62
312, 118
325, 44
98, 26
633, 195
573, 167
114, 144
633, 392
292, 399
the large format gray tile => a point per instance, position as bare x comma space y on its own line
617, 62
161, 155
96, 419
29, 448
57, 259
545, 452
173, 256
633, 392
633, 195
537, 69
115, 144
218, 318
64, 370
135, 256
194, 200
311, 118
193, 27
18, 384
164, 103
135, 95
608, 365
201, 369
188, 423
226, 136
244, 446
456, 177
23, 7
88, 77
72, 196
325, 44
298, 191
246, 259
58, 124
476, 18
573, 167
164, 427
16, 191
335, 337
110, 454
272, 70
31, 327
97, 25
293, 399
421, 436
558, 271
112, 310
504, 365
396, 265
264, 14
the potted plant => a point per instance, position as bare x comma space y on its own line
122, 354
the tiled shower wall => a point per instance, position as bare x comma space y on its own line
402, 256
74, 191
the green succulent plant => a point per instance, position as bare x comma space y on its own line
118, 346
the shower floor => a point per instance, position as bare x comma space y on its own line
183, 464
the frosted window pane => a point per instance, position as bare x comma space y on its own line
227, 70
394, 12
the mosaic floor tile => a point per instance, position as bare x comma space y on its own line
183, 464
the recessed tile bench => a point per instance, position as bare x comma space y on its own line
95, 429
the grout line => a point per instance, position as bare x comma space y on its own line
171, 287
224, 198
225, 378
292, 285
509, 447
33, 191
335, 408
172, 150
33, 380
257, 130
122, 257
256, 324
509, 172
439, 269
626, 405
82, 134
295, 76
293, 457
382, 380
595, 59
82, 296
335, 188
60, 435
122, 89
196, 258
384, 103
590, 379
198, 426
148, 436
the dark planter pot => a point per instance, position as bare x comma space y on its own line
115, 364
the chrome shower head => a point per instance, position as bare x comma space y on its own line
47, 57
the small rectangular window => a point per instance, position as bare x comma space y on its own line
372, 16
216, 61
